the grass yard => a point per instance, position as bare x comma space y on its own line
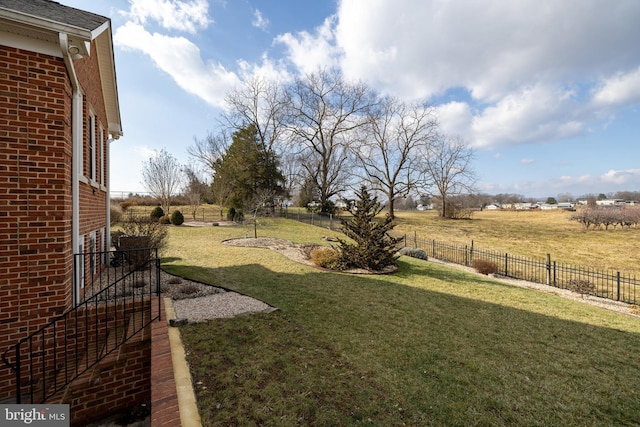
425, 346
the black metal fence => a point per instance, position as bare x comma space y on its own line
118, 303
612, 285
608, 284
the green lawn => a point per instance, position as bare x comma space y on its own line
425, 346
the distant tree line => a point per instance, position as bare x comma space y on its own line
610, 216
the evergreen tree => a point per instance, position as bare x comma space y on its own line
374, 248
247, 169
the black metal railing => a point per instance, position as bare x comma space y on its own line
114, 301
608, 284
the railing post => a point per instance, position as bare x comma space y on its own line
18, 374
548, 268
618, 280
415, 240
471, 253
466, 255
506, 265
158, 285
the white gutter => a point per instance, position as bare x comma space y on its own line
76, 158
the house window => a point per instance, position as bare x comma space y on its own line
103, 245
92, 147
102, 159
92, 256
80, 266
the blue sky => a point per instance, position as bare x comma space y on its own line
547, 93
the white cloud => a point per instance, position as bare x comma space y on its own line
268, 69
181, 59
532, 115
619, 90
491, 47
528, 68
260, 21
454, 118
310, 51
622, 177
188, 16
527, 161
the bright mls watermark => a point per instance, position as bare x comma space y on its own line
35, 415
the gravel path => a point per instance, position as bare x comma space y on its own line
227, 304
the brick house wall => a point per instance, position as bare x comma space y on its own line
36, 253
52, 205
35, 194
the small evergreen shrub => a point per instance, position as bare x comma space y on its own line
413, 252
177, 218
231, 214
326, 257
485, 267
165, 219
157, 213
374, 248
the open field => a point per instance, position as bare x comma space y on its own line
425, 346
533, 234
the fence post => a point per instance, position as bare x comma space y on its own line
330, 221
433, 248
415, 240
466, 255
548, 267
18, 374
471, 253
555, 274
506, 265
405, 240
618, 280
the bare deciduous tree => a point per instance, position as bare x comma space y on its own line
324, 112
195, 188
210, 149
448, 165
259, 102
392, 144
162, 176
209, 152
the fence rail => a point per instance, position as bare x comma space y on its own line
608, 284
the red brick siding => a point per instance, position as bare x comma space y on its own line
35, 195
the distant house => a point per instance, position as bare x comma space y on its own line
492, 207
610, 202
59, 111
